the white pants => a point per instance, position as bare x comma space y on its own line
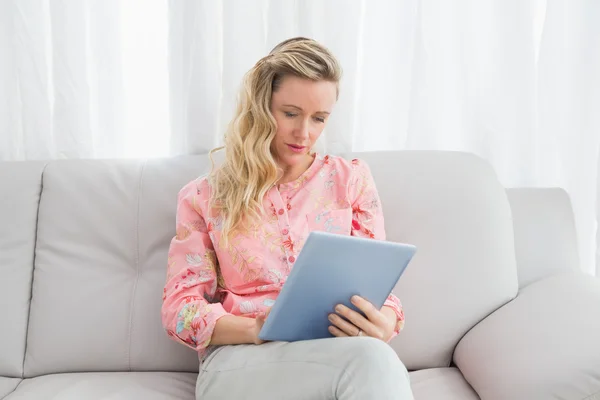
337, 368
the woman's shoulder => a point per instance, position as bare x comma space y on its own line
344, 165
198, 187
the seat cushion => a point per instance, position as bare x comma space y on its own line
441, 384
109, 385
7, 385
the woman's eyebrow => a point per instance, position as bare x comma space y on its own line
293, 106
300, 109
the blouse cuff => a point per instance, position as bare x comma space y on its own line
394, 303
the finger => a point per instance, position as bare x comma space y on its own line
372, 313
261, 318
336, 332
343, 325
355, 318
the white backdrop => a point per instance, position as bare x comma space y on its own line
83, 79
514, 81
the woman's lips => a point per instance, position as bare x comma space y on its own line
296, 149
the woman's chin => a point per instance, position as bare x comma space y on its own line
293, 159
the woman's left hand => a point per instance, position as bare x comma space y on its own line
378, 324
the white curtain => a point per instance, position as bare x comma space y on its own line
83, 79
514, 81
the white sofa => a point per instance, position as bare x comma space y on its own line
496, 306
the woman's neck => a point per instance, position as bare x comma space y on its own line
291, 173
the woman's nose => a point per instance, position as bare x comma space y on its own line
302, 131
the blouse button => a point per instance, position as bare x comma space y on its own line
280, 211
292, 259
285, 232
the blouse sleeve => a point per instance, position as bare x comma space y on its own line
189, 309
367, 221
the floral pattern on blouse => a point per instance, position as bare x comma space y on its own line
207, 280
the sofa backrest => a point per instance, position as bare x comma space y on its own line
453, 208
20, 187
104, 227
545, 238
103, 232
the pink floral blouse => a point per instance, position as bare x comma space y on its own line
207, 280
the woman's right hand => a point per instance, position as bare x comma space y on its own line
231, 329
259, 322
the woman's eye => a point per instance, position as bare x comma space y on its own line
320, 119
289, 114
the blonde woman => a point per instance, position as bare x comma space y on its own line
240, 229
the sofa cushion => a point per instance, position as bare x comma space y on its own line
545, 344
441, 383
19, 196
109, 385
7, 385
161, 181
105, 226
453, 208
101, 256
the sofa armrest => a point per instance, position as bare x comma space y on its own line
544, 344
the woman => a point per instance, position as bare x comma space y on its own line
240, 229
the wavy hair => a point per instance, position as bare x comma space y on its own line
249, 170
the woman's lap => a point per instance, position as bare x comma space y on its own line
326, 368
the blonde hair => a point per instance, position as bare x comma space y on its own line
249, 170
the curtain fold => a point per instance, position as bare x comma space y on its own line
83, 79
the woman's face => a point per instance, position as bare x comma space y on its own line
301, 108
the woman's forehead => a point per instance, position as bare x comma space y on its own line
305, 94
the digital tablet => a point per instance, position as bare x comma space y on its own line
329, 270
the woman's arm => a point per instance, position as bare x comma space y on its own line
367, 221
190, 310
